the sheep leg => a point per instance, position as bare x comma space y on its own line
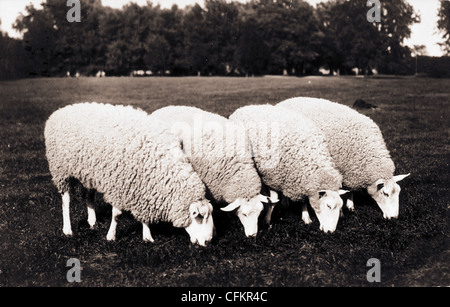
90, 209
146, 235
67, 227
305, 214
350, 204
268, 217
111, 236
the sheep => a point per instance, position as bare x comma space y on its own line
212, 143
137, 166
358, 149
292, 158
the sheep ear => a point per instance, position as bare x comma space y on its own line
274, 197
380, 184
234, 205
203, 211
195, 210
400, 177
263, 198
194, 213
322, 193
342, 192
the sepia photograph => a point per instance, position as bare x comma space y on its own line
224, 149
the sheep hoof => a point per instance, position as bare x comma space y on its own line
307, 220
68, 232
91, 224
350, 205
110, 237
146, 239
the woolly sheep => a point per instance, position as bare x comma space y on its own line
358, 149
137, 166
212, 143
291, 157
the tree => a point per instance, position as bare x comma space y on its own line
350, 40
13, 62
172, 37
196, 56
331, 54
118, 60
418, 50
257, 37
290, 30
79, 46
55, 45
221, 31
135, 28
396, 21
39, 39
444, 24
252, 55
157, 54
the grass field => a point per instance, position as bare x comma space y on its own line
413, 115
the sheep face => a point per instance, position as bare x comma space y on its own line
248, 212
201, 228
327, 205
386, 194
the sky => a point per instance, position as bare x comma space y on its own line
424, 33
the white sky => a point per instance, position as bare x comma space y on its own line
425, 33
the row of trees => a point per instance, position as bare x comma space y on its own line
258, 37
444, 24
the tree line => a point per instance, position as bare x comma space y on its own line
220, 38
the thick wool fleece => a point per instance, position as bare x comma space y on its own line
289, 151
354, 140
216, 150
123, 154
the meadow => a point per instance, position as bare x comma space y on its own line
413, 114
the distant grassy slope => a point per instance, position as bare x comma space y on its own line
413, 115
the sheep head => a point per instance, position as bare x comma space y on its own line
201, 228
248, 212
327, 205
386, 194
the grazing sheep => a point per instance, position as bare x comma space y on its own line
137, 166
270, 200
291, 157
216, 149
358, 149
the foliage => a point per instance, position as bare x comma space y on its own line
444, 23
223, 37
12, 58
351, 41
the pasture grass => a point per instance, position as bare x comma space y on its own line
413, 115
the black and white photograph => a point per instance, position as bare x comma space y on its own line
224, 149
